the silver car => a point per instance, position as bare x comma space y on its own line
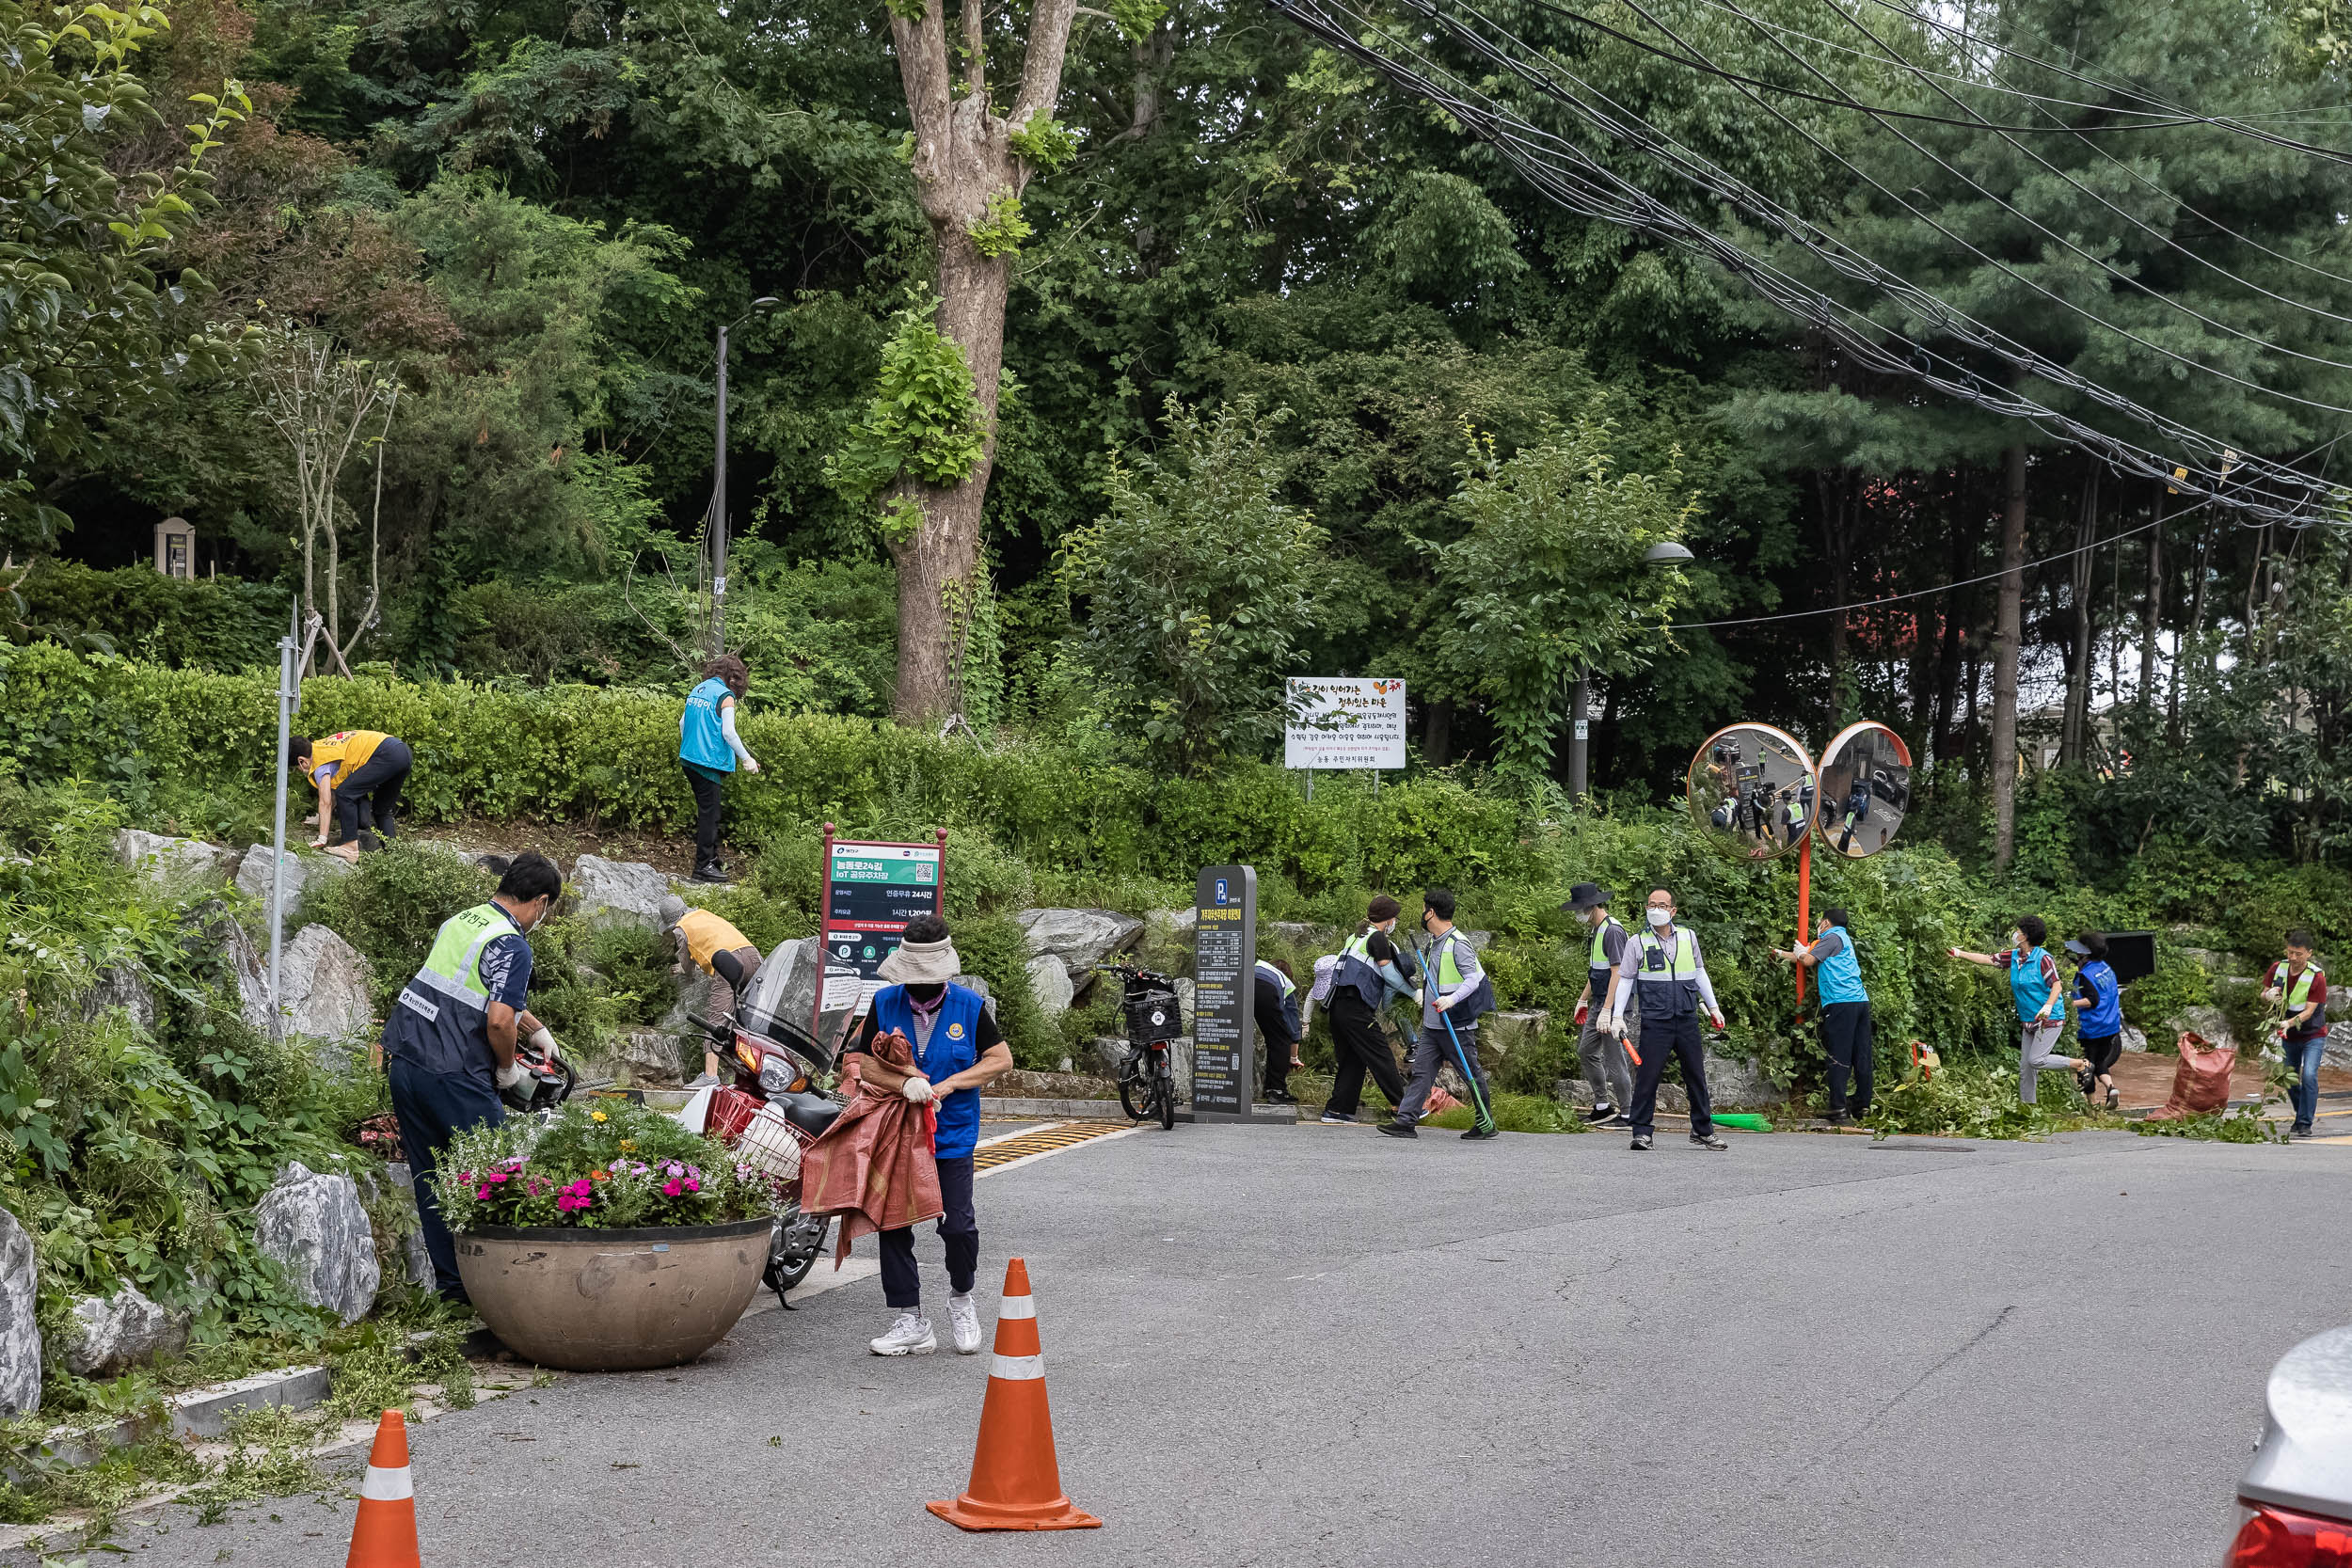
2297, 1496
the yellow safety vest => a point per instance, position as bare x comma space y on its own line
349, 751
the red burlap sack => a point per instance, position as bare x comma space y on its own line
2201, 1084
1439, 1102
874, 1166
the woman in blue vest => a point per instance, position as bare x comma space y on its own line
2098, 1019
1845, 1014
709, 750
1373, 968
2033, 985
957, 1050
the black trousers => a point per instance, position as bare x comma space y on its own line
1677, 1037
707, 794
369, 797
433, 1108
2100, 1050
1852, 1053
1278, 1063
958, 1226
1357, 1041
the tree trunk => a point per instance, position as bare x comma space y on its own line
2073, 746
963, 159
2151, 611
2005, 639
1436, 733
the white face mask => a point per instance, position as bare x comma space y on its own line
2017, 940
1661, 917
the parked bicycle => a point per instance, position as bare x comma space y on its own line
1147, 1079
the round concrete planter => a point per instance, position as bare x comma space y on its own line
602, 1301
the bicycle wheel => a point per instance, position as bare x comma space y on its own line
1164, 1086
1135, 1087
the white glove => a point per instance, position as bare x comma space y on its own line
542, 1041
751, 765
1719, 1022
512, 1075
1616, 1024
1416, 998
1606, 1022
918, 1091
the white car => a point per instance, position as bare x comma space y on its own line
2297, 1496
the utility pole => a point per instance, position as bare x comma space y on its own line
717, 636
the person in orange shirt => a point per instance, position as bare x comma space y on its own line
711, 944
359, 774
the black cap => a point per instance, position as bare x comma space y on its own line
1582, 896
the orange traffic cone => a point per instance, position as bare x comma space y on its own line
1016, 1484
385, 1534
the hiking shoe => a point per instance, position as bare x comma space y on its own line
1281, 1097
1601, 1112
2302, 1130
1708, 1140
1640, 1143
1332, 1118
1620, 1119
963, 1323
910, 1335
714, 875
1836, 1118
1398, 1130
1479, 1135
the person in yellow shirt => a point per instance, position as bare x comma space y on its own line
359, 774
711, 944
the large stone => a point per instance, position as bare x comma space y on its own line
314, 1224
1733, 1085
618, 889
2212, 1022
2337, 1051
211, 930
325, 985
1049, 982
1479, 940
1184, 988
654, 1055
2134, 1039
303, 871
415, 1258
174, 861
1172, 923
1079, 938
108, 1336
20, 1336
1305, 934
122, 986
1503, 1037
974, 982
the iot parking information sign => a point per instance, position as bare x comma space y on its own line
1225, 955
871, 891
1338, 721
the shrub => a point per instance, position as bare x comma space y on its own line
392, 905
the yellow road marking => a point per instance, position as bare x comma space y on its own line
1039, 1142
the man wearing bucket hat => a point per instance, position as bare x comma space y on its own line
957, 1050
1599, 1048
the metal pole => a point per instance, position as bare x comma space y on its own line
1578, 713
286, 700
719, 516
1805, 902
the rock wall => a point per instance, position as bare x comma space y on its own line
20, 1336
314, 1227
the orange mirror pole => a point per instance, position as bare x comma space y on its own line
1805, 902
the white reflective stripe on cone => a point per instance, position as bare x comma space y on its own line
392, 1486
1019, 1369
1018, 1306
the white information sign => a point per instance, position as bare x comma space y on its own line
1342, 721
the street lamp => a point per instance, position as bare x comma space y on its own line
719, 488
1664, 553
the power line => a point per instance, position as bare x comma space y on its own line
2265, 491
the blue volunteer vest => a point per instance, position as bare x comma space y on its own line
2104, 1016
2026, 984
954, 1046
1841, 973
700, 740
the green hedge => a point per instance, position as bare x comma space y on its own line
209, 624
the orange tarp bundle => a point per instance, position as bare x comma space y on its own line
2201, 1084
873, 1167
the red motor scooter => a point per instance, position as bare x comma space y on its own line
769, 1114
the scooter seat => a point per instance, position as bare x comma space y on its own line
811, 1113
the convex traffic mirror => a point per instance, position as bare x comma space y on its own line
1752, 791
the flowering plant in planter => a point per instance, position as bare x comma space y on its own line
600, 1164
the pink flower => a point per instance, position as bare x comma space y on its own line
580, 1194
692, 1186
671, 1187
481, 1192
497, 1175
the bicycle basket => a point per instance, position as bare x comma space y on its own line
771, 1143
1153, 1015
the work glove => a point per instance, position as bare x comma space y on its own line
1582, 1010
512, 1075
918, 1091
1718, 1022
1416, 998
542, 1041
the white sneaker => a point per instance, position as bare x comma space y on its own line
910, 1335
964, 1318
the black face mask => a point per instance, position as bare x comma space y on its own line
925, 993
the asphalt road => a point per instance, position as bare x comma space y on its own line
1317, 1346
